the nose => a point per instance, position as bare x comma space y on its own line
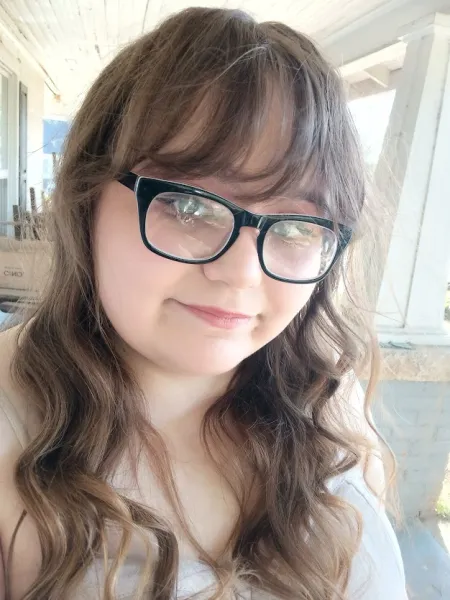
239, 267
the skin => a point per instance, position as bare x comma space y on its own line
143, 293
173, 352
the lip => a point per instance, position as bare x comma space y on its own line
218, 317
218, 312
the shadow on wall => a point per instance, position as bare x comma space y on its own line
414, 417
427, 564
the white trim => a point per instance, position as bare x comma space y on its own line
437, 23
416, 339
13, 143
4, 70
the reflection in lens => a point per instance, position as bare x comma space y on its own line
299, 251
186, 226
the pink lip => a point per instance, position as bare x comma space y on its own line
218, 317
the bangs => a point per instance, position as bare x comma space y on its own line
268, 99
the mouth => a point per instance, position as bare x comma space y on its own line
218, 317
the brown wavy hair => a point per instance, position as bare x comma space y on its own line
295, 539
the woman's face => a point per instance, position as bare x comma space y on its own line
153, 302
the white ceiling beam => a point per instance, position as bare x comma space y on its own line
373, 60
367, 87
380, 74
377, 30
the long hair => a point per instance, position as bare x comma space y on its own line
294, 538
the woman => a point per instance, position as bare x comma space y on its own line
174, 417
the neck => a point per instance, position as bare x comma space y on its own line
176, 402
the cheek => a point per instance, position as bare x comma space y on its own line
131, 280
286, 300
118, 257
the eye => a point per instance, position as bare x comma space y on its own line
191, 209
189, 206
293, 230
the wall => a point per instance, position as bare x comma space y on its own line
414, 417
12, 59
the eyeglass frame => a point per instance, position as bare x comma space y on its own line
242, 218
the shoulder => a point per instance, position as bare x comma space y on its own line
18, 425
377, 569
12, 407
17, 421
16, 416
12, 443
13, 417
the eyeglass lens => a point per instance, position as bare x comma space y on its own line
190, 227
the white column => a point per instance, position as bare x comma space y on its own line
415, 174
13, 143
432, 267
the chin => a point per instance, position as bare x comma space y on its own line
204, 362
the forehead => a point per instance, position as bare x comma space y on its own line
254, 175
269, 136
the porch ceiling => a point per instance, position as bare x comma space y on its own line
72, 39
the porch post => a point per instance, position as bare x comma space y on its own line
414, 171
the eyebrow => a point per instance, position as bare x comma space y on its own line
310, 195
305, 194
300, 195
